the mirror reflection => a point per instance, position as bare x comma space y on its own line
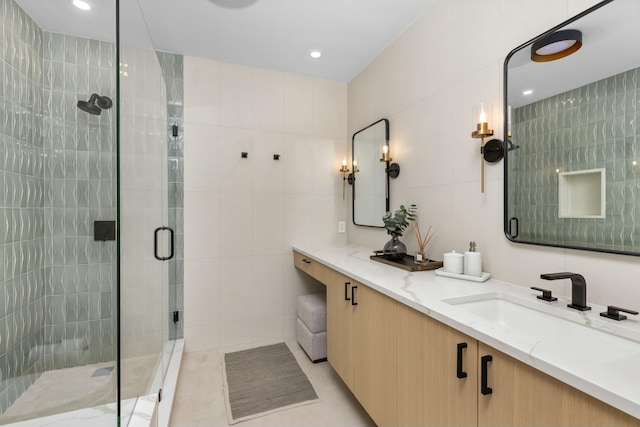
370, 186
571, 172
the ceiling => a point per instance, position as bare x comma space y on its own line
272, 34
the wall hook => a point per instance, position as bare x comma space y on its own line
244, 154
276, 157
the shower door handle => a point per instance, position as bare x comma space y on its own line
514, 221
171, 243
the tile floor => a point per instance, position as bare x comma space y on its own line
199, 400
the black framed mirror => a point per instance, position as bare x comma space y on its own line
370, 193
572, 126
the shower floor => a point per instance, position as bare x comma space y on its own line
69, 389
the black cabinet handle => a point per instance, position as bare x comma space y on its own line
353, 295
484, 362
459, 372
346, 291
171, 243
306, 261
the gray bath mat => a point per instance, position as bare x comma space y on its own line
262, 381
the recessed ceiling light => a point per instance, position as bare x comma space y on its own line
315, 54
527, 92
81, 4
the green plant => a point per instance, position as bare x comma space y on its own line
397, 222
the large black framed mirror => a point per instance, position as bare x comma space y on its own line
370, 193
572, 126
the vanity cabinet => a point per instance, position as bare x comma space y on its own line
440, 383
408, 369
361, 337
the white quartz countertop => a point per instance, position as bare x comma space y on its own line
609, 376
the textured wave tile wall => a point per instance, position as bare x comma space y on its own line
80, 188
593, 126
22, 302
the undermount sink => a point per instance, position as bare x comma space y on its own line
543, 323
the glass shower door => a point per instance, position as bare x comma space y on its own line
145, 241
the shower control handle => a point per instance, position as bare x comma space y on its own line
171, 243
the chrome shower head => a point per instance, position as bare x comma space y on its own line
103, 103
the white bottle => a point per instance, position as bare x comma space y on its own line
472, 261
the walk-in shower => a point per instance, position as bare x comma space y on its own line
86, 309
95, 104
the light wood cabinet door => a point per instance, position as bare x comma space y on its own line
432, 391
374, 354
524, 396
340, 326
519, 395
582, 410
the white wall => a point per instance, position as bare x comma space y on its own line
243, 215
426, 83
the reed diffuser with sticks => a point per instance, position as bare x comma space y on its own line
422, 243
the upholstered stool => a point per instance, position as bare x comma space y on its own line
311, 330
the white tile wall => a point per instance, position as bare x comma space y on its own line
427, 83
243, 215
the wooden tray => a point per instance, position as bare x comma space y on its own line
407, 263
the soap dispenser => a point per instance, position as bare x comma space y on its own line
472, 261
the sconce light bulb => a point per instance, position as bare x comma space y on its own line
634, 163
557, 170
355, 163
344, 162
385, 149
483, 115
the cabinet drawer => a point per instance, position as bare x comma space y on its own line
311, 267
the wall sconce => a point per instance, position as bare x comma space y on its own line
385, 154
352, 176
392, 169
344, 170
351, 179
493, 150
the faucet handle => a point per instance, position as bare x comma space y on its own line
546, 294
613, 312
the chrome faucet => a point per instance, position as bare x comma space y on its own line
578, 289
